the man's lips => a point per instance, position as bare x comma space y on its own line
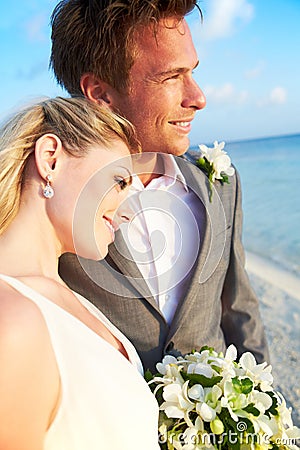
182, 124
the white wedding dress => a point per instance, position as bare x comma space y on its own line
105, 402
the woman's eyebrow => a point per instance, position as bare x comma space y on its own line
129, 173
125, 168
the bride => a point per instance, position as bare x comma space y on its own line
69, 380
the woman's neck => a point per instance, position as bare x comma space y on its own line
29, 246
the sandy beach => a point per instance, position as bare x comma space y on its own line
279, 295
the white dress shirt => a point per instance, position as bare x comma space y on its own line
163, 235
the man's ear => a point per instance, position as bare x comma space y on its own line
47, 150
96, 90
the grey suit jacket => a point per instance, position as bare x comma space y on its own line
219, 306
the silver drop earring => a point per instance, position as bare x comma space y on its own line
48, 191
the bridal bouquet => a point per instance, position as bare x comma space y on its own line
211, 401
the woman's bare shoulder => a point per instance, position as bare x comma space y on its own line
29, 377
24, 336
18, 314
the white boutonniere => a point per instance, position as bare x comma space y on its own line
216, 164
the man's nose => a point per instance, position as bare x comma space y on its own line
194, 96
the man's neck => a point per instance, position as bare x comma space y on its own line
149, 166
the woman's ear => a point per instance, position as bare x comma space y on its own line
97, 90
47, 150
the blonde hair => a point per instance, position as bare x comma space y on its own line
78, 123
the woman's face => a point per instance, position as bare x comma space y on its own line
88, 192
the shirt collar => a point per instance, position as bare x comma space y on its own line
172, 173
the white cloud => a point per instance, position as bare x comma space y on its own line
256, 71
225, 93
33, 71
223, 17
36, 28
277, 96
242, 97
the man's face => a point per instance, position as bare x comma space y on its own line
163, 96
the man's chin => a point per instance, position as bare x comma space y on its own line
175, 149
182, 147
179, 151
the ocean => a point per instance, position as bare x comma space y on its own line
270, 172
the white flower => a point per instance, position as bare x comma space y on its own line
170, 371
206, 394
201, 369
216, 163
284, 412
190, 439
261, 401
232, 401
162, 366
228, 369
207, 400
264, 424
290, 435
258, 373
219, 160
177, 403
196, 393
210, 406
206, 412
203, 409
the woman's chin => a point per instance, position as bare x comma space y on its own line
99, 254
96, 253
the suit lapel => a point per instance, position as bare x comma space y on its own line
214, 226
212, 237
123, 260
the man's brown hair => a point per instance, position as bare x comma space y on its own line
96, 36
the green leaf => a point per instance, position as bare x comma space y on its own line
163, 446
252, 410
234, 445
148, 375
204, 165
274, 446
273, 408
232, 430
243, 386
196, 378
225, 178
208, 168
216, 368
206, 347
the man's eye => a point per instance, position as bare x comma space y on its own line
173, 77
121, 182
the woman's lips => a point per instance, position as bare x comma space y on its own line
108, 222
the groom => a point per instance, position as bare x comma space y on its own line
174, 279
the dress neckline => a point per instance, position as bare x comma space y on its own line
15, 283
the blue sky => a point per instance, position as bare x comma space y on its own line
249, 64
